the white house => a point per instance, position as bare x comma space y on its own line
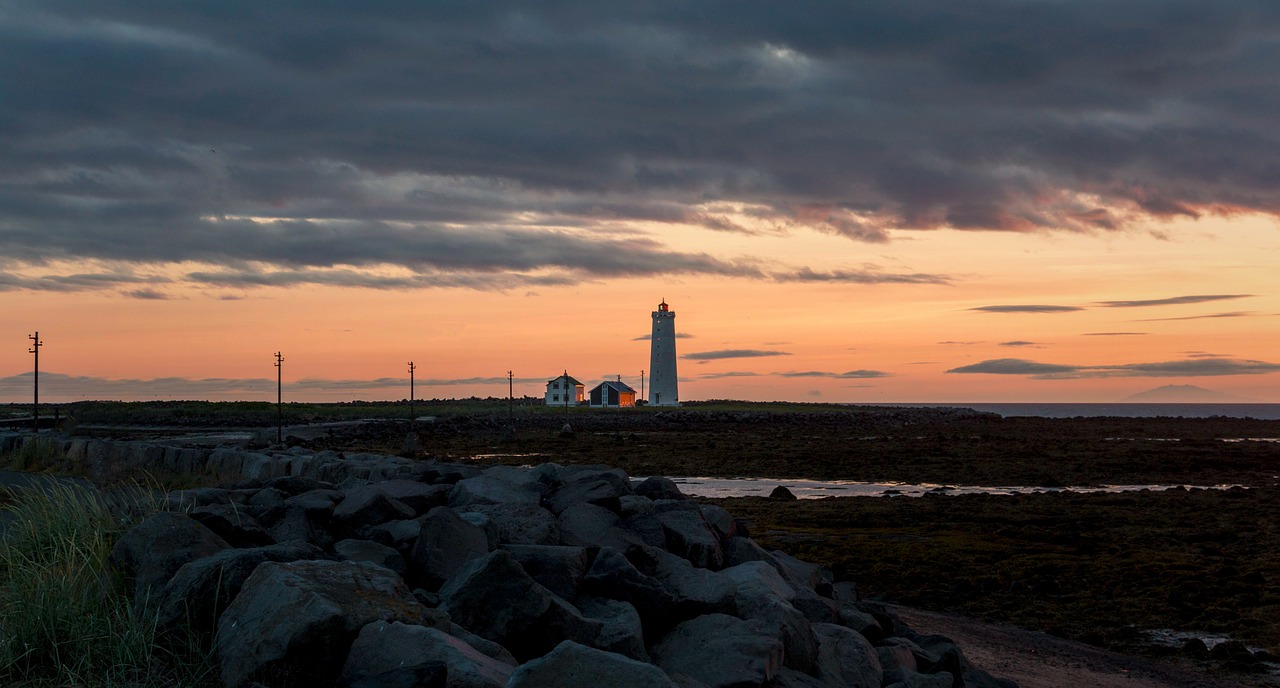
613, 394
565, 390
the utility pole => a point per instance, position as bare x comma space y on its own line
413, 417
510, 395
642, 396
568, 389
279, 406
35, 406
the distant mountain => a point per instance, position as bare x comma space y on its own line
1182, 394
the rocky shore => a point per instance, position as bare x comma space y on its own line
316, 569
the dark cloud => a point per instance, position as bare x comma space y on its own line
146, 294
1019, 343
1195, 367
459, 143
1210, 316
732, 373
732, 353
1014, 366
1172, 301
1029, 308
850, 375
59, 385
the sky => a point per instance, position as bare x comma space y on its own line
928, 201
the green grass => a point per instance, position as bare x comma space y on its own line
31, 456
63, 620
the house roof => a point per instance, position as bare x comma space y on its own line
614, 384
571, 379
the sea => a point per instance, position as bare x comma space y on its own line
1257, 411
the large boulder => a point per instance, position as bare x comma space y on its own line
520, 524
591, 489
846, 658
689, 536
494, 598
697, 591
571, 665
397, 655
420, 497
488, 489
150, 553
233, 524
588, 525
612, 576
658, 487
295, 522
202, 589
371, 552
622, 631
763, 595
559, 569
446, 542
367, 506
720, 651
293, 623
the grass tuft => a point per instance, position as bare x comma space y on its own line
63, 620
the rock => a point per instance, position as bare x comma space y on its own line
689, 536
398, 655
368, 506
612, 576
588, 525
893, 657
782, 494
202, 589
558, 569
597, 490
846, 658
371, 552
293, 485
634, 505
520, 524
621, 631
790, 678
486, 489
720, 651
571, 665
696, 591
445, 544
420, 497
494, 598
720, 521
150, 553
763, 595
845, 591
647, 527
296, 621
399, 535
484, 523
233, 524
318, 504
296, 523
658, 487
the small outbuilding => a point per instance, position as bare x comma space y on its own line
565, 390
613, 394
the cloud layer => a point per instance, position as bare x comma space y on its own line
503, 144
1197, 366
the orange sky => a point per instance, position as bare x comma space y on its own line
909, 335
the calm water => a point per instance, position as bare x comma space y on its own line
1259, 411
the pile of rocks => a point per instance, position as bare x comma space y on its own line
565, 576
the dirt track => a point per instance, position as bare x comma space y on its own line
1039, 660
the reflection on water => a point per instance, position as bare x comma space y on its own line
817, 489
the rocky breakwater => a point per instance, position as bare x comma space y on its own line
565, 576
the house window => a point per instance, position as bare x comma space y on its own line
555, 397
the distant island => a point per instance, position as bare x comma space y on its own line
1182, 394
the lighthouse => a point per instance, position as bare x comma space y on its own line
663, 390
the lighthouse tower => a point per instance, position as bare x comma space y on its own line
663, 389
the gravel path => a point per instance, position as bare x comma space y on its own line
1039, 660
